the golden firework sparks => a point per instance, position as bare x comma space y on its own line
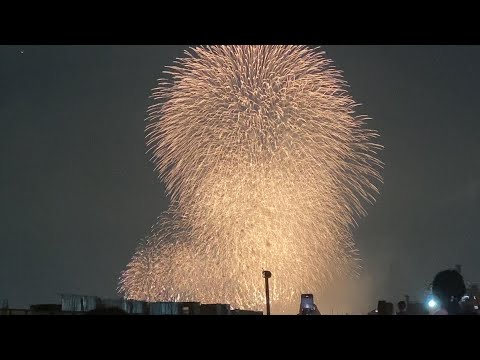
267, 167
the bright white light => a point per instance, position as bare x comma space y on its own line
432, 303
476, 307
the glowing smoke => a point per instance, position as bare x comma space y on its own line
267, 168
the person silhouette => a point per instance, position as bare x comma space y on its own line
402, 308
449, 288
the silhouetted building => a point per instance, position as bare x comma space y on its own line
245, 312
214, 309
174, 308
106, 311
38, 309
82, 303
46, 309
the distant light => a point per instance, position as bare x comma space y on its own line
376, 310
476, 307
432, 303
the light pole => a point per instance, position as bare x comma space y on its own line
267, 275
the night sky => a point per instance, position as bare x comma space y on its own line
77, 190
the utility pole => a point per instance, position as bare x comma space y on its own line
267, 275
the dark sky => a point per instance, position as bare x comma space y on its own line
77, 190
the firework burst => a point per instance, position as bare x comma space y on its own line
268, 168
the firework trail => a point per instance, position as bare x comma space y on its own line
267, 167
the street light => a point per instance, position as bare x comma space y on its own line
267, 275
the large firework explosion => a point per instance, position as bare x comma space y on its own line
268, 168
